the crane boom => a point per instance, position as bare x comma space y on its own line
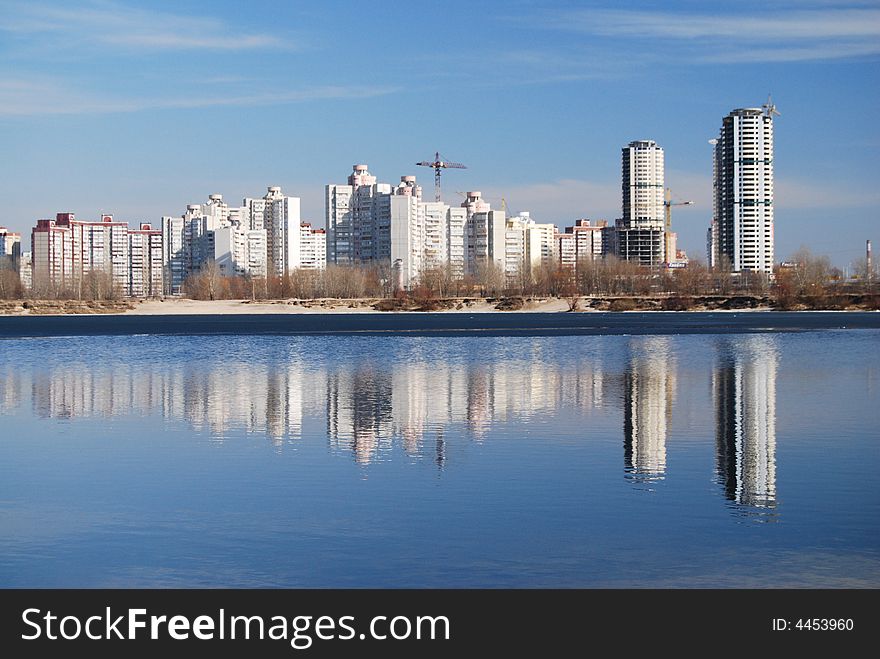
439, 165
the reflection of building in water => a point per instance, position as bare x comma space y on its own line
359, 416
11, 386
367, 406
744, 390
255, 397
649, 388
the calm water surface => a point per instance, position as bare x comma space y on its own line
698, 460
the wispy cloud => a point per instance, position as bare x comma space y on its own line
766, 36
568, 199
106, 23
50, 97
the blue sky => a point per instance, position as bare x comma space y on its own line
140, 108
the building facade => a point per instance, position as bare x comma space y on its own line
640, 231
67, 254
313, 248
742, 227
583, 242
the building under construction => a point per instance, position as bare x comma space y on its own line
641, 232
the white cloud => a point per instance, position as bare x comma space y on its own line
19, 97
569, 199
104, 23
765, 36
803, 194
559, 201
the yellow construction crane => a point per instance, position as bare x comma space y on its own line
667, 207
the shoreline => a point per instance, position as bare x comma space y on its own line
445, 306
436, 324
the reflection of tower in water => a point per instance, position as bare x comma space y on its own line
359, 413
744, 390
649, 388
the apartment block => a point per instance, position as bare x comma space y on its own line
65, 251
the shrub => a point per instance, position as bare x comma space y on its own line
623, 304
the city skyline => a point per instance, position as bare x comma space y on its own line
144, 109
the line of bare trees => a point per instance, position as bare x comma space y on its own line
92, 285
806, 276
810, 275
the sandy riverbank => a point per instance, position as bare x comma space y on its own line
180, 306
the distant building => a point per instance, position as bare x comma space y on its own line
487, 240
10, 249
145, 262
585, 241
262, 237
66, 251
742, 228
640, 231
374, 223
25, 272
313, 248
528, 245
351, 228
712, 245
282, 224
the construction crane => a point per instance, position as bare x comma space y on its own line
667, 208
438, 165
770, 107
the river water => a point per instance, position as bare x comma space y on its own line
691, 460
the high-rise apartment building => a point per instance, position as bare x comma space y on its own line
742, 223
66, 252
583, 242
263, 237
371, 222
351, 228
528, 245
145, 261
640, 231
282, 224
313, 248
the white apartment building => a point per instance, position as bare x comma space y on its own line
188, 242
640, 231
26, 270
406, 226
262, 237
313, 248
351, 229
282, 223
485, 233
528, 245
373, 222
231, 253
145, 264
743, 234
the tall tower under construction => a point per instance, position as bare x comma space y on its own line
742, 224
640, 231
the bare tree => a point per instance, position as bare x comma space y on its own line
10, 284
